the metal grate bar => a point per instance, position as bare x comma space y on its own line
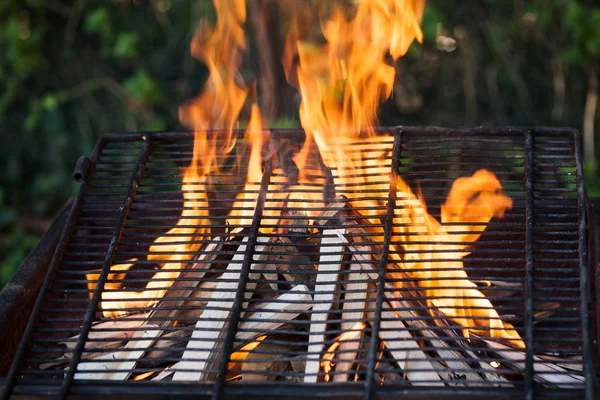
19, 362
232, 325
584, 284
388, 224
93, 305
529, 262
374, 330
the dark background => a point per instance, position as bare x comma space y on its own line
71, 70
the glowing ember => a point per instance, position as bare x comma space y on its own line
353, 334
238, 357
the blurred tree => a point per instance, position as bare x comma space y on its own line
70, 71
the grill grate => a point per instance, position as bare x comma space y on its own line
253, 282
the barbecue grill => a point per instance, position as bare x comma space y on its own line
294, 286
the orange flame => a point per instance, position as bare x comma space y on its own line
343, 81
353, 334
236, 361
434, 259
213, 116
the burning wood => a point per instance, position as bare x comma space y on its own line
330, 265
264, 363
416, 347
353, 310
204, 343
455, 360
111, 362
162, 313
270, 316
544, 371
119, 330
352, 336
406, 312
283, 258
406, 351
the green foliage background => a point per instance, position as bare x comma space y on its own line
71, 70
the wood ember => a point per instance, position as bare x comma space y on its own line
406, 351
283, 257
543, 371
412, 343
263, 363
163, 313
330, 265
353, 310
204, 343
272, 315
111, 362
120, 330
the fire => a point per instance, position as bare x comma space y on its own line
213, 115
342, 80
353, 334
434, 259
237, 358
342, 84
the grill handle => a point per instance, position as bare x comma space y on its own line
81, 168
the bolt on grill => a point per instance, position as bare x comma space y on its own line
304, 287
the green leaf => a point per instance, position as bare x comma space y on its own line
14, 249
283, 122
33, 119
574, 56
143, 88
593, 47
50, 101
432, 18
158, 124
96, 20
126, 46
591, 178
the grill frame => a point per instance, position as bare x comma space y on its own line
347, 390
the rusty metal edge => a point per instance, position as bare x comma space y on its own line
23, 287
594, 265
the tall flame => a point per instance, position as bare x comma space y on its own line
433, 256
343, 81
213, 115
